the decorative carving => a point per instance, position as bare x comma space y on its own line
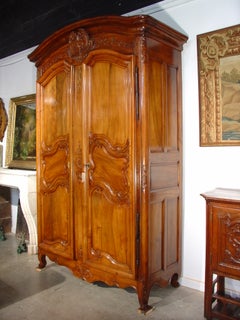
111, 42
84, 273
144, 178
3, 120
55, 159
212, 47
80, 253
58, 58
108, 168
78, 163
233, 239
79, 45
101, 254
140, 49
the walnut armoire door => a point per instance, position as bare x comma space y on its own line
109, 111
55, 225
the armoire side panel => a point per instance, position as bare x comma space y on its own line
172, 230
173, 113
165, 167
164, 221
156, 243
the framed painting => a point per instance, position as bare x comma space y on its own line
219, 87
21, 136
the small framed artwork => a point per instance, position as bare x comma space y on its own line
21, 136
219, 87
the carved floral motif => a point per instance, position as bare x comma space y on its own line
79, 45
140, 49
144, 178
78, 163
111, 42
232, 253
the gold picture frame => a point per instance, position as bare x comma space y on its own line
219, 87
3, 120
21, 135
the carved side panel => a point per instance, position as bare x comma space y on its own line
232, 249
226, 239
54, 165
108, 169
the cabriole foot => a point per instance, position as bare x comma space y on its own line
174, 281
42, 262
146, 309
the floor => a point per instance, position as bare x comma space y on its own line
54, 293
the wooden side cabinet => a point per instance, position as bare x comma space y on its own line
222, 252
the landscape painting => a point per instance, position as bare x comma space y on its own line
230, 97
21, 138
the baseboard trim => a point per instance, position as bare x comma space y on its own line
192, 283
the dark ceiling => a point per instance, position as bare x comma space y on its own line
26, 23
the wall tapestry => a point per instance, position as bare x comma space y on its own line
219, 87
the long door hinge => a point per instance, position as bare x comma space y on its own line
138, 239
137, 92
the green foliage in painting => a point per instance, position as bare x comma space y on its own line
232, 76
25, 133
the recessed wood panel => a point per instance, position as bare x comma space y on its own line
164, 176
226, 243
156, 243
164, 243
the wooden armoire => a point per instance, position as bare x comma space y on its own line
109, 154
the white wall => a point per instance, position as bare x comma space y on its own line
17, 78
204, 167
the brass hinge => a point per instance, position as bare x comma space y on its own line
137, 92
138, 238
